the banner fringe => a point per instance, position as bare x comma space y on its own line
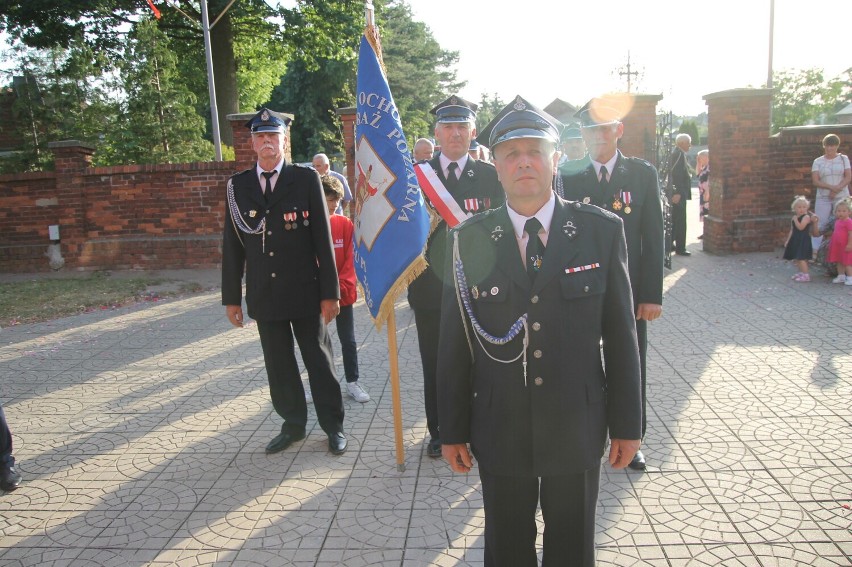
401, 284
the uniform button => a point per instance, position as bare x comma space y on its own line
586, 289
268, 232
273, 274
267, 211
536, 326
272, 253
475, 394
538, 381
534, 299
537, 353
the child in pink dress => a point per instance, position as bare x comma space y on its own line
840, 249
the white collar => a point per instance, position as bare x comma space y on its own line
445, 161
544, 216
610, 165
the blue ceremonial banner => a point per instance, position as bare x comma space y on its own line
391, 220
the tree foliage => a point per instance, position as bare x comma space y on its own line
691, 128
322, 75
805, 96
158, 123
65, 95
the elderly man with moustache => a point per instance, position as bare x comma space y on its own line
277, 232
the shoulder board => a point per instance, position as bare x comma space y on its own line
638, 160
485, 164
470, 221
303, 166
244, 172
591, 209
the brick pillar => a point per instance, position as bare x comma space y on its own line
640, 128
347, 117
244, 155
743, 214
71, 160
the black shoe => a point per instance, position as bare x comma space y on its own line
337, 443
10, 479
638, 462
284, 439
683, 253
700, 237
433, 449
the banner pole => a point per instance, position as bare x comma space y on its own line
397, 403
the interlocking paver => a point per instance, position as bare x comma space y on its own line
141, 432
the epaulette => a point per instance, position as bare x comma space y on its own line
470, 221
243, 172
304, 166
639, 160
584, 208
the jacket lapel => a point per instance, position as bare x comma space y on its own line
560, 249
507, 248
285, 181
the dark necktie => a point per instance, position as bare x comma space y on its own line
604, 181
452, 176
268, 190
535, 247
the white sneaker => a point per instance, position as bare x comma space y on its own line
848, 281
840, 279
357, 392
309, 397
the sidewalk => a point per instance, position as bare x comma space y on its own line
140, 433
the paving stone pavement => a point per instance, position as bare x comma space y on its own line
140, 433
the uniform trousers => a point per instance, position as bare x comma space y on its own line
282, 370
428, 323
6, 458
642, 340
568, 506
679, 226
348, 346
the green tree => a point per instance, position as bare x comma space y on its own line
159, 124
489, 107
805, 97
321, 77
691, 128
69, 94
104, 23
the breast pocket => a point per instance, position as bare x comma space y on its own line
585, 284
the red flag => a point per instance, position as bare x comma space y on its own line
154, 8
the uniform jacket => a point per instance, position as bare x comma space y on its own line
643, 225
557, 422
287, 272
478, 181
679, 181
342, 231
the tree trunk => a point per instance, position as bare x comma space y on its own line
225, 75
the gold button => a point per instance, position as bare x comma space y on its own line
538, 381
536, 326
273, 274
534, 299
586, 289
537, 354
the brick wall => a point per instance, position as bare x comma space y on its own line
640, 128
754, 176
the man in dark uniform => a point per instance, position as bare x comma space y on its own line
679, 191
473, 186
10, 478
629, 188
539, 283
277, 230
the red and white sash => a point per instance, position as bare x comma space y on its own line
438, 195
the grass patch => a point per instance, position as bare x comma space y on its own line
44, 299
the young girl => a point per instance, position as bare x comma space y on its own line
798, 246
840, 249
